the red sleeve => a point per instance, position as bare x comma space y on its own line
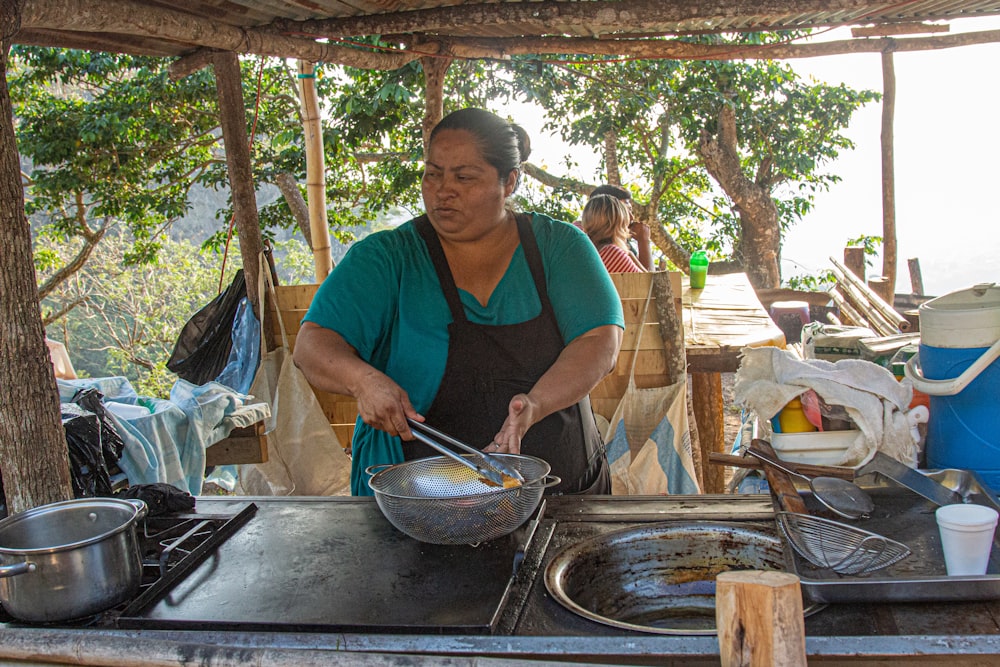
617, 260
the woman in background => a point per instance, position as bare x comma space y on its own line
606, 221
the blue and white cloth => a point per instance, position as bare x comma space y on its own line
165, 440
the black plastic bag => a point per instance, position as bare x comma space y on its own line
160, 498
93, 442
202, 348
112, 444
88, 474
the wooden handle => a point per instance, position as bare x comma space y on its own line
807, 469
782, 489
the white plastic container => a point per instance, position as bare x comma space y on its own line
817, 447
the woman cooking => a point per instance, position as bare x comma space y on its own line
491, 326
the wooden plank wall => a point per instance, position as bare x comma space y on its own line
650, 370
651, 364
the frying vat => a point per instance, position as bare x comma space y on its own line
658, 578
70, 559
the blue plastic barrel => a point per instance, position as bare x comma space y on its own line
959, 369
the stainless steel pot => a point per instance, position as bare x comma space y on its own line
70, 559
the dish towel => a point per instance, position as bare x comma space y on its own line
769, 377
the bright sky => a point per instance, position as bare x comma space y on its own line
947, 165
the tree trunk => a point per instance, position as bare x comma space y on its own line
759, 246
611, 166
232, 117
296, 203
34, 460
888, 174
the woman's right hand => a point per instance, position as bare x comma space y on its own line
331, 364
384, 405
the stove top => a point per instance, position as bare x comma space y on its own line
309, 565
171, 546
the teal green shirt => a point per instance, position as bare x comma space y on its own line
384, 298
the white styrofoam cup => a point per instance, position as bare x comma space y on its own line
966, 537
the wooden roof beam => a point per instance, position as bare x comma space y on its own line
117, 16
677, 50
535, 18
899, 29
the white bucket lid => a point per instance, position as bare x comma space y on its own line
968, 318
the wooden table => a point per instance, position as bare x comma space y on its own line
719, 321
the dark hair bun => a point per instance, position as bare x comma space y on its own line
523, 141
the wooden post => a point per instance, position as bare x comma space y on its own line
882, 286
888, 173
916, 280
34, 458
232, 117
709, 414
854, 259
759, 619
319, 228
435, 69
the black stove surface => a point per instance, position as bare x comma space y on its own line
312, 566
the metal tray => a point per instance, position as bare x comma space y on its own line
904, 516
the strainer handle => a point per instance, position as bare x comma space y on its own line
544, 482
377, 468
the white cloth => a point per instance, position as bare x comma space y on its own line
769, 377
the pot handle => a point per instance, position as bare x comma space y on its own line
17, 568
141, 508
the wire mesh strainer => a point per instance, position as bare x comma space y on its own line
441, 501
838, 546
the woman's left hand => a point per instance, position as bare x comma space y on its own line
521, 415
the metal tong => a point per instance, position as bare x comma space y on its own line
493, 470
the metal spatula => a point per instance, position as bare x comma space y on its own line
493, 469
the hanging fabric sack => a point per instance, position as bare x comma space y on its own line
648, 442
304, 455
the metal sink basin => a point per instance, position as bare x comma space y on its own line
658, 578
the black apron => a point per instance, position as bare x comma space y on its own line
487, 365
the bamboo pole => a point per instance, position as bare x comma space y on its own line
315, 171
877, 321
877, 302
849, 312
